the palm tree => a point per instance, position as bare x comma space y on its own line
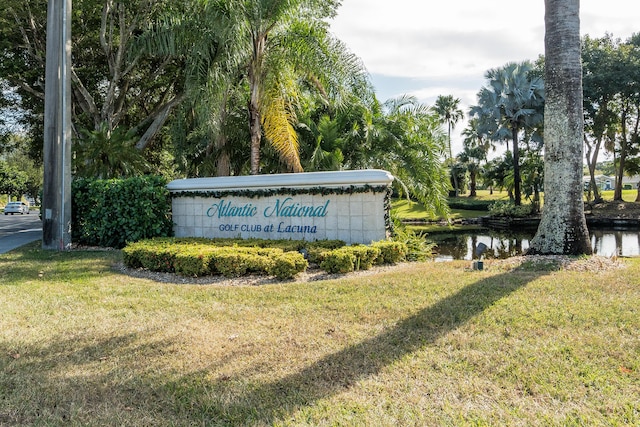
447, 109
512, 102
105, 154
289, 42
562, 229
273, 51
404, 137
475, 147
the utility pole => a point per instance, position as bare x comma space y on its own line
56, 198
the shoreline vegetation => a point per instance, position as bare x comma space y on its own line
422, 343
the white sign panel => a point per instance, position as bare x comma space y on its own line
348, 205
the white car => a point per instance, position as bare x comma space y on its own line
16, 207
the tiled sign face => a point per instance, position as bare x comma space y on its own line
351, 211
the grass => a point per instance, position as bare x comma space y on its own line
408, 210
423, 344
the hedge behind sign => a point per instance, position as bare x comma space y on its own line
112, 212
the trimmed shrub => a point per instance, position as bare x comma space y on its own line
338, 261
509, 209
365, 256
237, 261
160, 259
112, 212
391, 252
200, 256
317, 250
470, 204
287, 265
195, 262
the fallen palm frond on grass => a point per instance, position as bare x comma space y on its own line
421, 344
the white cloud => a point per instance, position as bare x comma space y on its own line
427, 48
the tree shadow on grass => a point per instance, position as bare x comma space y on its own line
138, 391
332, 374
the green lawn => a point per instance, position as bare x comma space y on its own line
408, 210
423, 344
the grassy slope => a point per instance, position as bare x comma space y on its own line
424, 344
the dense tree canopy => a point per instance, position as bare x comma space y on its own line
195, 87
113, 86
612, 103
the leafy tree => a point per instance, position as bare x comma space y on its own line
511, 103
111, 82
532, 177
447, 109
562, 229
599, 89
611, 104
17, 158
12, 180
628, 106
499, 173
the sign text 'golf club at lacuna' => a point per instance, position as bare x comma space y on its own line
348, 205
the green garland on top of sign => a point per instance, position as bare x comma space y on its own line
324, 191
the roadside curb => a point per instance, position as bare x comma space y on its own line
18, 239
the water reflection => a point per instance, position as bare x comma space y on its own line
504, 245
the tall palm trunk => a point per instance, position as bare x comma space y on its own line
453, 169
472, 183
255, 88
223, 161
516, 166
562, 229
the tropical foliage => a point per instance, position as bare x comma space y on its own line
196, 88
113, 85
12, 180
611, 72
510, 106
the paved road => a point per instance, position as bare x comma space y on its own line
18, 230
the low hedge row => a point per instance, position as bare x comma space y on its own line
469, 204
234, 257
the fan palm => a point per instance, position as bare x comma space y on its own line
512, 102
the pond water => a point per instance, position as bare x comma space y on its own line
507, 244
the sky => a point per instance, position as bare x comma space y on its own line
430, 48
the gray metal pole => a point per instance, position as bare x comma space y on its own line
56, 200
